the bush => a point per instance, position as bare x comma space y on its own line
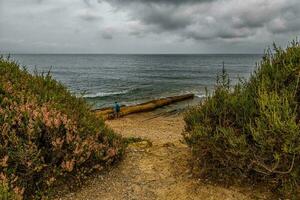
251, 131
5, 194
47, 134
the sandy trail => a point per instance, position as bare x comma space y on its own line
161, 171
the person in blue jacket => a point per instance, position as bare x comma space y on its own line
117, 110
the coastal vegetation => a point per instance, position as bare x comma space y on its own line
48, 136
251, 131
248, 132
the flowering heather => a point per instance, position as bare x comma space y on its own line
47, 135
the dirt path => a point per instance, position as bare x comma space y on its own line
160, 171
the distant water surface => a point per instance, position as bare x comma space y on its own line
131, 79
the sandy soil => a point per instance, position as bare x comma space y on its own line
157, 171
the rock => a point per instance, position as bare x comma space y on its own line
142, 144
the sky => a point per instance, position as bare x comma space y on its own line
146, 26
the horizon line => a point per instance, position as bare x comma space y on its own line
5, 53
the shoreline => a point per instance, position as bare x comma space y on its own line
177, 102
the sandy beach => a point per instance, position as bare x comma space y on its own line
157, 169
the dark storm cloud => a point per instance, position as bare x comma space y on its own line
166, 18
207, 20
146, 25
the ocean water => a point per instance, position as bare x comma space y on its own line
132, 79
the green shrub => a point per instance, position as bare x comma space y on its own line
5, 194
251, 131
47, 135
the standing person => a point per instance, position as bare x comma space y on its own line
117, 110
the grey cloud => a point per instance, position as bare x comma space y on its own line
225, 33
146, 25
87, 2
198, 36
287, 22
166, 18
176, 2
232, 34
281, 26
107, 34
89, 16
231, 18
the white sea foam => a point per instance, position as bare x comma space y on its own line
200, 95
105, 94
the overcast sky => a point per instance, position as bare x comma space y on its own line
146, 26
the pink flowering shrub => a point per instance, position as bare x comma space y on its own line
47, 135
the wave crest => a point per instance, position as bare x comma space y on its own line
105, 94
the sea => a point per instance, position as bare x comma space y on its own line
103, 79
